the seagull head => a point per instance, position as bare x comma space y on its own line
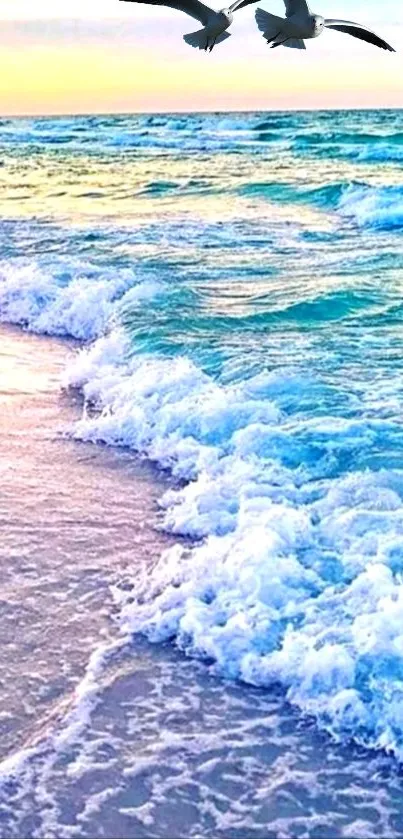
227, 14
318, 23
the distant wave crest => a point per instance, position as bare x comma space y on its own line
369, 206
377, 207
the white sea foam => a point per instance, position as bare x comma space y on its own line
56, 297
31, 771
298, 580
369, 206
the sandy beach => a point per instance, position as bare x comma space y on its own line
73, 519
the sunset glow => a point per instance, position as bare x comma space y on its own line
112, 56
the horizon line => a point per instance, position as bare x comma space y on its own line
195, 112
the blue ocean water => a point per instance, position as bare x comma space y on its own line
237, 282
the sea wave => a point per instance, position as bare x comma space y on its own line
355, 138
326, 195
142, 133
368, 205
66, 298
377, 207
298, 578
381, 153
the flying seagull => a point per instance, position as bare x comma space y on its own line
300, 24
214, 23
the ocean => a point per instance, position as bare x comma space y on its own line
201, 620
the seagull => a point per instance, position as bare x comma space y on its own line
300, 24
214, 23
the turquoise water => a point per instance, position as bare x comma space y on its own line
237, 281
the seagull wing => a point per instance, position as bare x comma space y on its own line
358, 31
296, 7
239, 4
191, 7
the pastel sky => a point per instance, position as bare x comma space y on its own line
109, 56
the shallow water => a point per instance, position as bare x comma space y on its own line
72, 519
240, 279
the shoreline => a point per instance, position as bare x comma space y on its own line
67, 509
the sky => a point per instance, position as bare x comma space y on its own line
108, 56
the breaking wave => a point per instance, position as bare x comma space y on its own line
298, 578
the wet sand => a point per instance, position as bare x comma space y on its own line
73, 518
